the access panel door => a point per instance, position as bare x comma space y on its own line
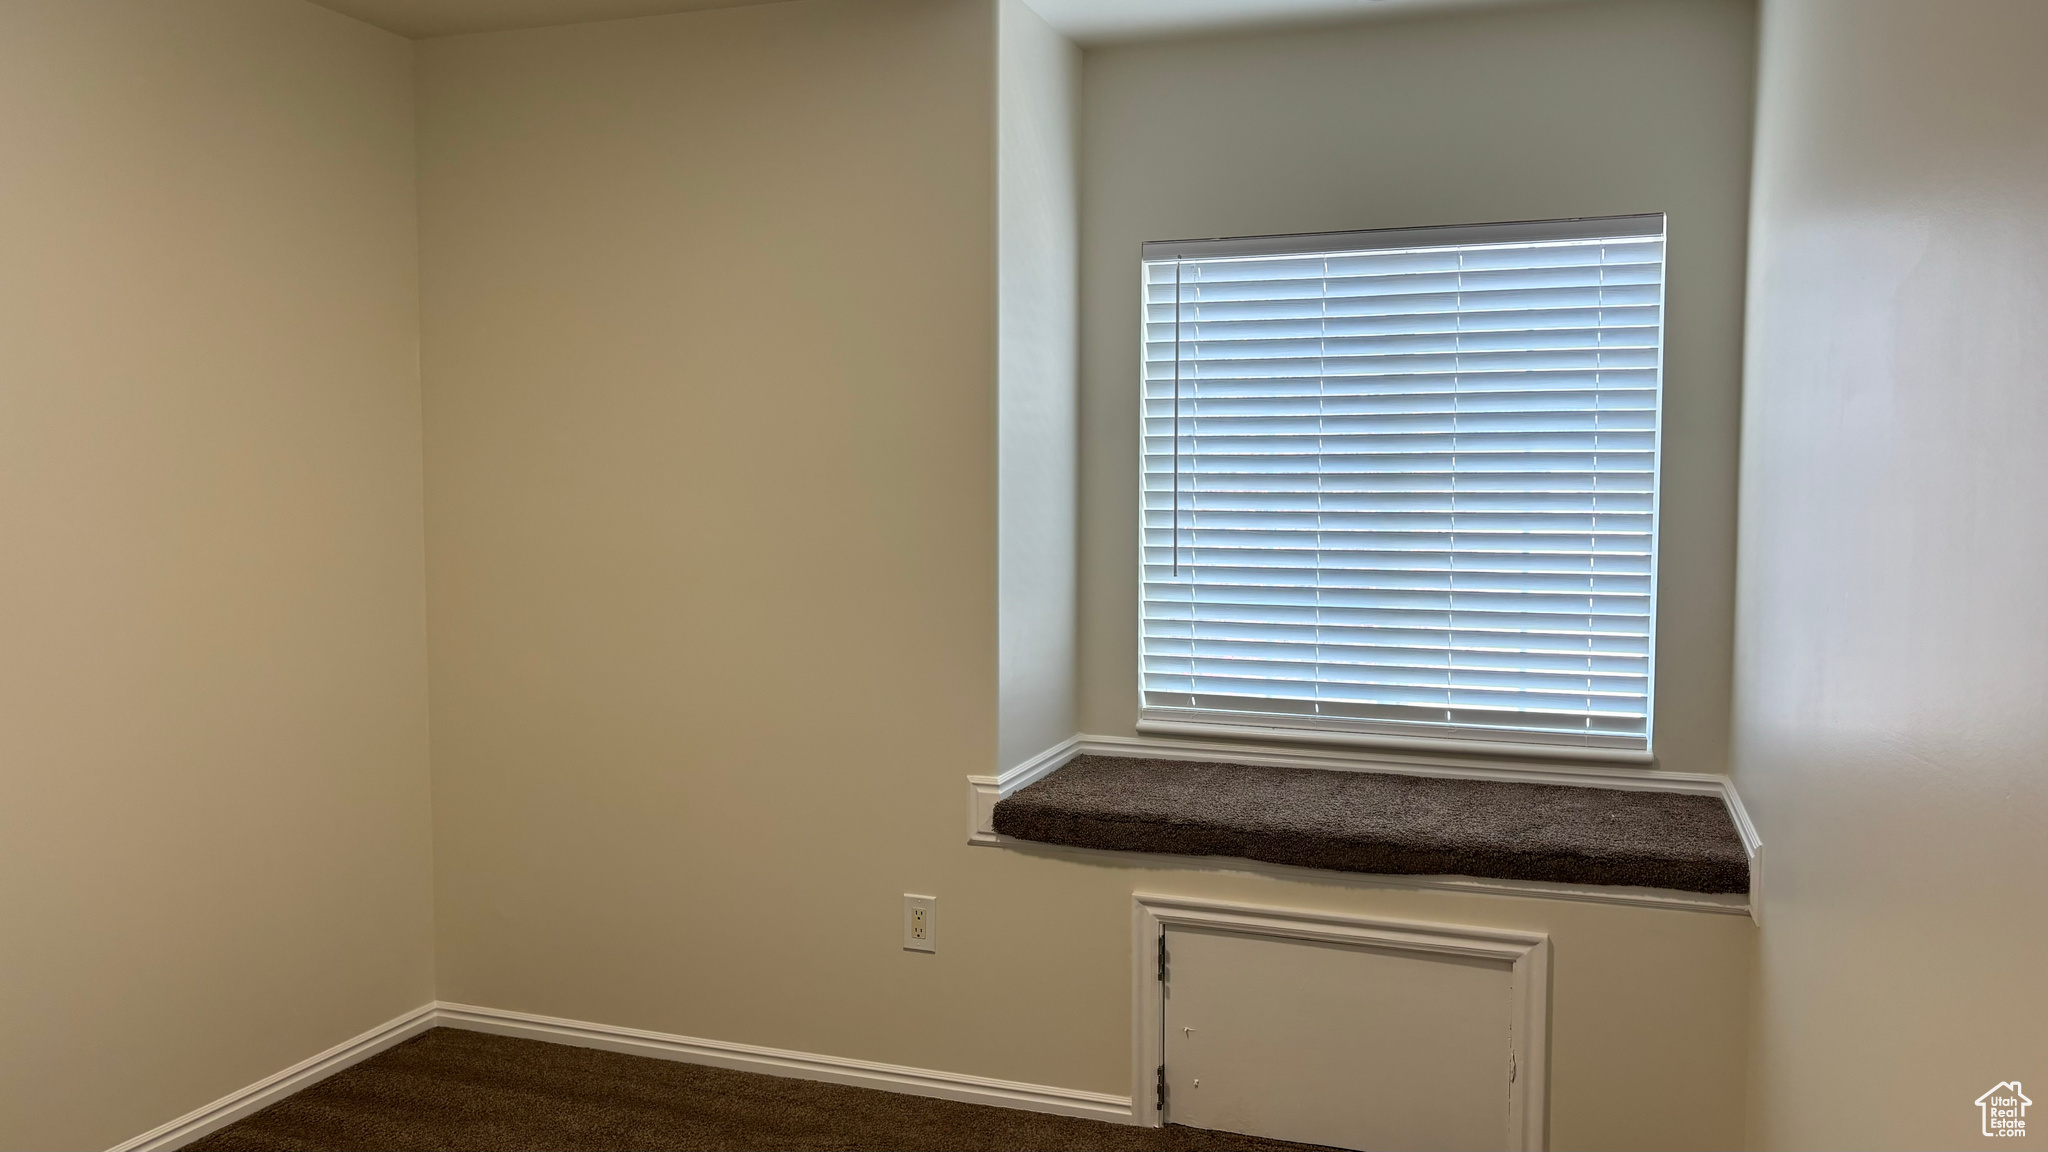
1340, 1044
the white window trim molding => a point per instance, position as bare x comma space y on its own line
1527, 954
984, 791
1182, 722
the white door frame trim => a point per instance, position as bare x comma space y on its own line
1527, 954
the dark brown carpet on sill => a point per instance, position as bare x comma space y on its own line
450, 1089
1382, 823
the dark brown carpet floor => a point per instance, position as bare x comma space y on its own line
1382, 823
450, 1089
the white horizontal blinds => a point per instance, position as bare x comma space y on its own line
1416, 486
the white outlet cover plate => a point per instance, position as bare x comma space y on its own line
912, 905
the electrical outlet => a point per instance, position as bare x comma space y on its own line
920, 923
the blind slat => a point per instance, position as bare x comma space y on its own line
1405, 489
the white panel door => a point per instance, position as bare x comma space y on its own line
1338, 1044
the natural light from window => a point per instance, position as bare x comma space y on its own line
1404, 483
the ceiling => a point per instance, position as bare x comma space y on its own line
1087, 21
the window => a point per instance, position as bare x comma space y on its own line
1404, 483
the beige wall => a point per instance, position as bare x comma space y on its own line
1893, 670
710, 339
711, 419
709, 335
214, 853
1038, 104
1522, 113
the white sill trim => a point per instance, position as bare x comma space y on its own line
984, 791
1152, 724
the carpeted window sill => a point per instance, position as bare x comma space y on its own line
1378, 823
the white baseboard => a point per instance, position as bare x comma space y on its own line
984, 791
1040, 766
634, 1041
782, 1062
269, 1090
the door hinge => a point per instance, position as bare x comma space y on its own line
1162, 959
1511, 1066
1161, 1098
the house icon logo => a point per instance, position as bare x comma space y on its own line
2004, 1110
